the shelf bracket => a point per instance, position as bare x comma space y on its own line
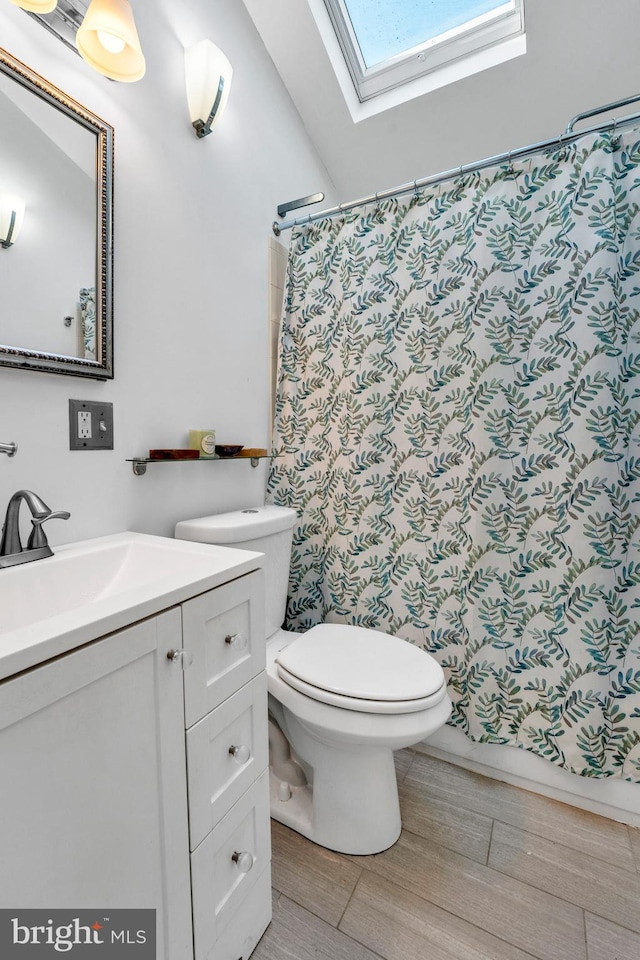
139, 467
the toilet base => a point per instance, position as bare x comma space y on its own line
297, 813
351, 806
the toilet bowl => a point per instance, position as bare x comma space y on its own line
341, 700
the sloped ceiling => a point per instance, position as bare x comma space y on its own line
580, 53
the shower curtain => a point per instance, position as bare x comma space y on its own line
457, 427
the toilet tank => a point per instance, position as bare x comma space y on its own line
267, 530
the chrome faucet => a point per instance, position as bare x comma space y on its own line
11, 549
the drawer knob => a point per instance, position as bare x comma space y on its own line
183, 657
244, 861
236, 640
240, 753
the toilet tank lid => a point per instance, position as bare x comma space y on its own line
237, 526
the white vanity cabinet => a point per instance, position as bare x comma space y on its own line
132, 777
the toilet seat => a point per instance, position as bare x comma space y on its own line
360, 669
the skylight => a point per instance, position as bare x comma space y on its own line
387, 28
388, 43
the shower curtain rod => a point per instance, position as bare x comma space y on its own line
569, 136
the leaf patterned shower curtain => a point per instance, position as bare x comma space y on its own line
457, 426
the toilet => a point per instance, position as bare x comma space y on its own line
341, 700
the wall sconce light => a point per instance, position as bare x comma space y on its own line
208, 75
11, 217
36, 6
108, 40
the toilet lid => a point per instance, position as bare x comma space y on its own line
362, 670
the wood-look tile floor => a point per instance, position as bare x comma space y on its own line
482, 871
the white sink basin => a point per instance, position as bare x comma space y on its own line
90, 588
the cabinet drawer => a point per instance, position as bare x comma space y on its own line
241, 935
224, 631
219, 885
217, 777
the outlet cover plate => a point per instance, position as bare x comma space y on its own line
99, 428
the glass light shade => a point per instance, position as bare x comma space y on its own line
110, 43
208, 76
119, 54
36, 6
11, 209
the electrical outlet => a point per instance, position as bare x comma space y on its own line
90, 425
84, 424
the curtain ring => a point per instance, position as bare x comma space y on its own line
615, 137
509, 166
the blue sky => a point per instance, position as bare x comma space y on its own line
387, 27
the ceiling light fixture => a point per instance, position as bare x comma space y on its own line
108, 40
208, 76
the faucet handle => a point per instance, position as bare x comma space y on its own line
38, 537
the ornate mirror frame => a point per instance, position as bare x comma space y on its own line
27, 359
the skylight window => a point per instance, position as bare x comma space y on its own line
387, 43
390, 28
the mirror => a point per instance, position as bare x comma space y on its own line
56, 278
